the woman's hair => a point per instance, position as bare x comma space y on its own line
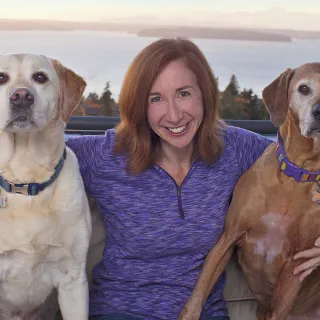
133, 135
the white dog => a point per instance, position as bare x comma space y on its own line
45, 224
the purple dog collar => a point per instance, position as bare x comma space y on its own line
290, 169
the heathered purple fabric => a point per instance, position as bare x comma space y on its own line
153, 256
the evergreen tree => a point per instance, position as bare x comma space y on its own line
233, 87
93, 97
230, 108
108, 106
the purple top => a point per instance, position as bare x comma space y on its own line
158, 236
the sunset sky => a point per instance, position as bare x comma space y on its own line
179, 10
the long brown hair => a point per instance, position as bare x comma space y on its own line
133, 134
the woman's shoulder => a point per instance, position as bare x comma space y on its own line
244, 145
92, 143
240, 134
237, 137
91, 151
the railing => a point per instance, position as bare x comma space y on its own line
98, 125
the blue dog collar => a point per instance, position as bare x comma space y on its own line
32, 189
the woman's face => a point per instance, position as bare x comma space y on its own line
175, 106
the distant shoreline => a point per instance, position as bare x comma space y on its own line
195, 34
214, 33
143, 30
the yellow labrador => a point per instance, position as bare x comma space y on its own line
45, 224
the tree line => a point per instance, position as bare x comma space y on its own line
234, 103
241, 105
98, 105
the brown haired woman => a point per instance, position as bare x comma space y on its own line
163, 181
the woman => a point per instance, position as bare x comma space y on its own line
163, 181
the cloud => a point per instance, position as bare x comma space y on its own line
205, 13
275, 18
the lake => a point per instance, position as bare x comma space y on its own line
105, 56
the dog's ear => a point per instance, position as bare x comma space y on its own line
71, 88
275, 97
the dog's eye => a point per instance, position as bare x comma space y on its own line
3, 78
305, 90
40, 77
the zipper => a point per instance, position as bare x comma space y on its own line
181, 212
180, 207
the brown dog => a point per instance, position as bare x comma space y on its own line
274, 213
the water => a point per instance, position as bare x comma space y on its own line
105, 56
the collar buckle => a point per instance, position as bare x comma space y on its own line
32, 189
23, 189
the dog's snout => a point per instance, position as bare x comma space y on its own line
21, 97
316, 111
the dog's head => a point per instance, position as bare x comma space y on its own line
34, 90
299, 90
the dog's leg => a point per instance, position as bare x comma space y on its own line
73, 295
71, 278
236, 226
219, 257
284, 294
73, 291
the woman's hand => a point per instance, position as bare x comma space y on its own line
313, 256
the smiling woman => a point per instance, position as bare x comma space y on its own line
175, 114
175, 89
163, 181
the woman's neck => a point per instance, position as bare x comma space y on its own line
175, 161
176, 156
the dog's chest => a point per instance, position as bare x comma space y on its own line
27, 278
271, 241
27, 222
32, 253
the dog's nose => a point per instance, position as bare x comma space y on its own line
21, 97
316, 111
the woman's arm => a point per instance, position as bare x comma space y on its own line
248, 146
83, 148
90, 150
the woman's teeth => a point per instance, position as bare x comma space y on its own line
178, 130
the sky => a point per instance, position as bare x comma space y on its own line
179, 10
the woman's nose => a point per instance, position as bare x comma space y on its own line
174, 113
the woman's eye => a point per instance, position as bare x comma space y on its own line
155, 99
184, 94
